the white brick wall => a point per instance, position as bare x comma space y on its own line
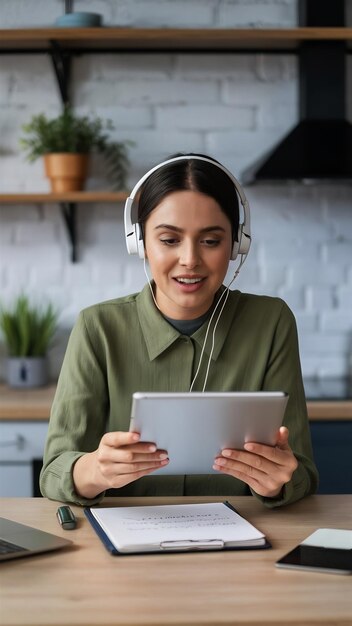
235, 107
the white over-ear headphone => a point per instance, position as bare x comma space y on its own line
133, 233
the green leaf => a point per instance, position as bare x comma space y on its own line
28, 330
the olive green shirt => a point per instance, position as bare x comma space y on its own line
125, 345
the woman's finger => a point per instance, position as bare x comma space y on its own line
121, 480
116, 439
131, 468
121, 455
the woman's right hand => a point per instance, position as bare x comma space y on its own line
119, 460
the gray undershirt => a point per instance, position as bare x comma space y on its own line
188, 327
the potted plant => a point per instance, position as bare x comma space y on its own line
28, 331
66, 142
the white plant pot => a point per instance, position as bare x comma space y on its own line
27, 372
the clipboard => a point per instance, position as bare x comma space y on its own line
174, 546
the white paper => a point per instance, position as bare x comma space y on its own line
139, 527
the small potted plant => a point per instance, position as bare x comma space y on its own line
66, 142
27, 331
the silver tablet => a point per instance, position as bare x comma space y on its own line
195, 427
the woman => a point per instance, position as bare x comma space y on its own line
188, 226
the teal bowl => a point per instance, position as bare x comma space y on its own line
79, 20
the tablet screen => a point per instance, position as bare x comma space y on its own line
195, 427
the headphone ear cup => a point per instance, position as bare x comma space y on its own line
131, 242
242, 245
236, 244
140, 242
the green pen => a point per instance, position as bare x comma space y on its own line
66, 518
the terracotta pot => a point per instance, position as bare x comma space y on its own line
66, 171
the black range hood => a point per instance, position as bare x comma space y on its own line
320, 146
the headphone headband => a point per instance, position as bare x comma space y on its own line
134, 241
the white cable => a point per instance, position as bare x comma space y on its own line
213, 339
226, 294
150, 286
205, 339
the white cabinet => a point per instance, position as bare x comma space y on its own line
15, 481
21, 443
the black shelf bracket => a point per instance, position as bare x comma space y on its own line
68, 6
69, 214
62, 63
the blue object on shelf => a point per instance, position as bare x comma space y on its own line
79, 20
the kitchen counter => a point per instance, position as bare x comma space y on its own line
26, 404
329, 399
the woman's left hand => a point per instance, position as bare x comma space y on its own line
265, 469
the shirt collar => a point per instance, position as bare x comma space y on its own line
159, 335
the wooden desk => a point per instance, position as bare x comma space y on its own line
85, 585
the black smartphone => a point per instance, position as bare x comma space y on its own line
321, 558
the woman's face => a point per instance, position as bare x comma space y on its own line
188, 246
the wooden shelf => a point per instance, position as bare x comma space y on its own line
172, 39
74, 196
67, 203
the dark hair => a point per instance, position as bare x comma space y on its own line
194, 175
